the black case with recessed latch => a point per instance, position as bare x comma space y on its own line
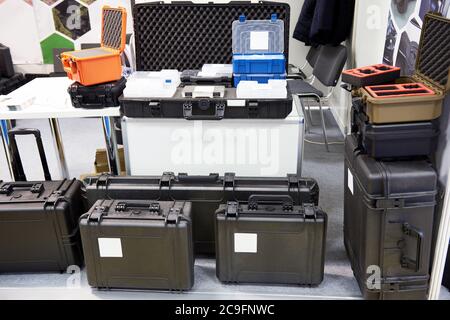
138, 244
270, 240
229, 107
39, 226
98, 96
389, 208
205, 192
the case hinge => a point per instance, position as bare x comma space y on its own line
232, 209
173, 217
102, 180
389, 203
97, 214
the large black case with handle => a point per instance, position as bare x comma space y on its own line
388, 221
205, 192
39, 220
98, 96
270, 240
206, 108
138, 244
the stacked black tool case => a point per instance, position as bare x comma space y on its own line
9, 80
97, 96
205, 192
186, 35
252, 241
388, 221
39, 220
139, 244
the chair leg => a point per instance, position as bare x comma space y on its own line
323, 125
305, 115
309, 112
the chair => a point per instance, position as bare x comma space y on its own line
327, 69
311, 59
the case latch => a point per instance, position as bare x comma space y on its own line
166, 179
155, 108
97, 214
6, 189
228, 180
173, 217
37, 188
253, 109
53, 198
232, 209
309, 211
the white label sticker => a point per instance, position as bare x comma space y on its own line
110, 247
259, 40
235, 103
245, 242
350, 180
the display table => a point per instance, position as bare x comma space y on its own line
47, 98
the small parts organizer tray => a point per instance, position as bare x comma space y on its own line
431, 77
399, 90
184, 35
103, 64
371, 75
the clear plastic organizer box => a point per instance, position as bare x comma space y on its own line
258, 46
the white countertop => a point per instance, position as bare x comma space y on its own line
44, 98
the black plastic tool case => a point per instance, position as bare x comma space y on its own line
185, 35
39, 226
97, 96
138, 244
269, 240
393, 140
388, 221
206, 108
205, 192
8, 85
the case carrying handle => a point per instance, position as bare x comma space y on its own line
17, 167
256, 199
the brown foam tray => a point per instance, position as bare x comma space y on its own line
399, 90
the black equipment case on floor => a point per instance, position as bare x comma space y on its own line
138, 244
39, 220
269, 240
388, 221
393, 140
206, 108
97, 96
205, 192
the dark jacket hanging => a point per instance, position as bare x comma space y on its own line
325, 22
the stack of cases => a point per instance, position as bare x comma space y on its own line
9, 80
98, 71
391, 185
258, 50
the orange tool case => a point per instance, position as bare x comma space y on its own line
103, 64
